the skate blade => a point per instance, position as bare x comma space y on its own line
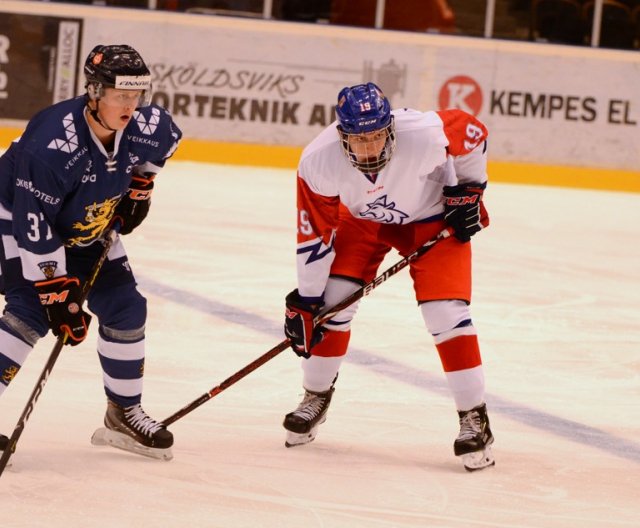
296, 439
107, 437
478, 460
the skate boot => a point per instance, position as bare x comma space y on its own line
473, 444
302, 424
131, 429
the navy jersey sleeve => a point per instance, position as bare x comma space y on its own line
165, 134
38, 197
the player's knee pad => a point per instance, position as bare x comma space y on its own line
18, 328
446, 319
121, 336
337, 289
17, 341
454, 335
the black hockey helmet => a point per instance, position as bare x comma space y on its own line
116, 66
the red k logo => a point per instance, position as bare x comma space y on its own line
461, 92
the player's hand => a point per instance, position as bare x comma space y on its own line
134, 205
464, 210
298, 325
60, 298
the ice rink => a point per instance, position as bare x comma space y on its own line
557, 307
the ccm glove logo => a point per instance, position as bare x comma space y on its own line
135, 204
139, 194
47, 299
461, 200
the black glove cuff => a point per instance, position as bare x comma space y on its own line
294, 300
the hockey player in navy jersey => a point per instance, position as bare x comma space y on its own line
79, 165
379, 179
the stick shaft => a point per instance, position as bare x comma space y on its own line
53, 357
234, 378
320, 319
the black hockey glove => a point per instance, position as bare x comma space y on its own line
60, 298
298, 325
134, 205
464, 210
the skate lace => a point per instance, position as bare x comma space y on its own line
139, 420
470, 425
310, 407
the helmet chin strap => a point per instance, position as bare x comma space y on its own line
94, 114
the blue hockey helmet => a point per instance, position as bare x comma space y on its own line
116, 66
362, 110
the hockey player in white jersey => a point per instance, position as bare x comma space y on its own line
374, 180
79, 165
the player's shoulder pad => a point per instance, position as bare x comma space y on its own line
464, 131
323, 149
153, 130
155, 120
322, 161
58, 135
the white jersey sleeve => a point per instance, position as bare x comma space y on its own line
318, 201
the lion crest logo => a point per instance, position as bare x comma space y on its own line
9, 373
48, 268
96, 219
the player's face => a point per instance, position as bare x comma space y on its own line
117, 106
368, 146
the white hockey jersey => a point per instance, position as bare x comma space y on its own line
433, 149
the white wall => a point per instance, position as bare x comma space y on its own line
268, 82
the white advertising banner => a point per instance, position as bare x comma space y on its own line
275, 83
246, 82
548, 104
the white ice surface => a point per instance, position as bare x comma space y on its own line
557, 307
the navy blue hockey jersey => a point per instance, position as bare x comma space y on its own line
59, 186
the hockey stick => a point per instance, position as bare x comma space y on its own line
57, 348
319, 319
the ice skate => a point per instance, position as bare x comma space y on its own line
131, 429
473, 444
302, 424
